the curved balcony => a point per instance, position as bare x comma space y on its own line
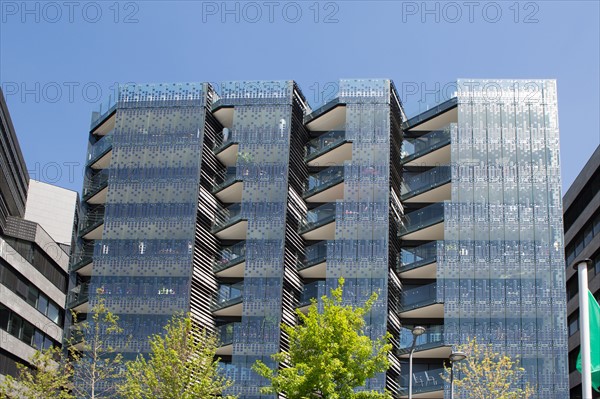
100, 153
226, 333
426, 384
228, 300
421, 301
429, 344
95, 188
78, 298
229, 223
230, 262
91, 225
319, 223
427, 187
430, 149
227, 186
313, 290
81, 261
314, 262
330, 148
418, 262
325, 186
425, 224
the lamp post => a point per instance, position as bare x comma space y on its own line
416, 331
584, 329
454, 357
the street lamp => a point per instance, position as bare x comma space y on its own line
454, 357
416, 331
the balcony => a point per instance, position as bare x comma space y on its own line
426, 224
314, 263
100, 153
78, 297
431, 149
225, 333
227, 186
325, 186
104, 120
426, 384
226, 149
331, 148
427, 187
327, 117
421, 301
229, 224
418, 262
314, 290
319, 223
81, 261
95, 188
228, 300
92, 223
231, 261
428, 345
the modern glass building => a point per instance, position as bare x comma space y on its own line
241, 203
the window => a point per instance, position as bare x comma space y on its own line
4, 316
573, 324
53, 312
42, 304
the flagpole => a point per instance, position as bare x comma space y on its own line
584, 328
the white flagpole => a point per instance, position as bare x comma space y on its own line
584, 328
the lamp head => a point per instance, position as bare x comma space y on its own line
418, 330
457, 356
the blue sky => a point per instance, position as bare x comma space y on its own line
60, 60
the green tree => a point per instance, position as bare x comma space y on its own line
47, 378
329, 354
181, 365
486, 374
97, 365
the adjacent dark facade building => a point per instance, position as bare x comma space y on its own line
33, 265
582, 237
241, 204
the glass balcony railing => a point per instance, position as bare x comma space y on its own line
413, 148
313, 255
78, 295
324, 143
411, 257
318, 217
225, 179
229, 256
417, 296
223, 140
226, 332
423, 381
416, 183
324, 179
227, 216
421, 218
99, 148
95, 183
91, 220
82, 256
433, 336
228, 295
105, 109
314, 290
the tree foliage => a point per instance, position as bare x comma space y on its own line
486, 374
181, 365
98, 366
48, 378
329, 354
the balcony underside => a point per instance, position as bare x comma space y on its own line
234, 271
86, 270
236, 231
82, 307
330, 194
437, 194
225, 350
324, 232
105, 127
103, 162
432, 310
329, 120
225, 116
95, 233
333, 157
233, 310
436, 122
99, 197
314, 271
430, 351
228, 155
232, 193
440, 156
430, 233
425, 271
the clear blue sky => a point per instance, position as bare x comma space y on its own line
55, 57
